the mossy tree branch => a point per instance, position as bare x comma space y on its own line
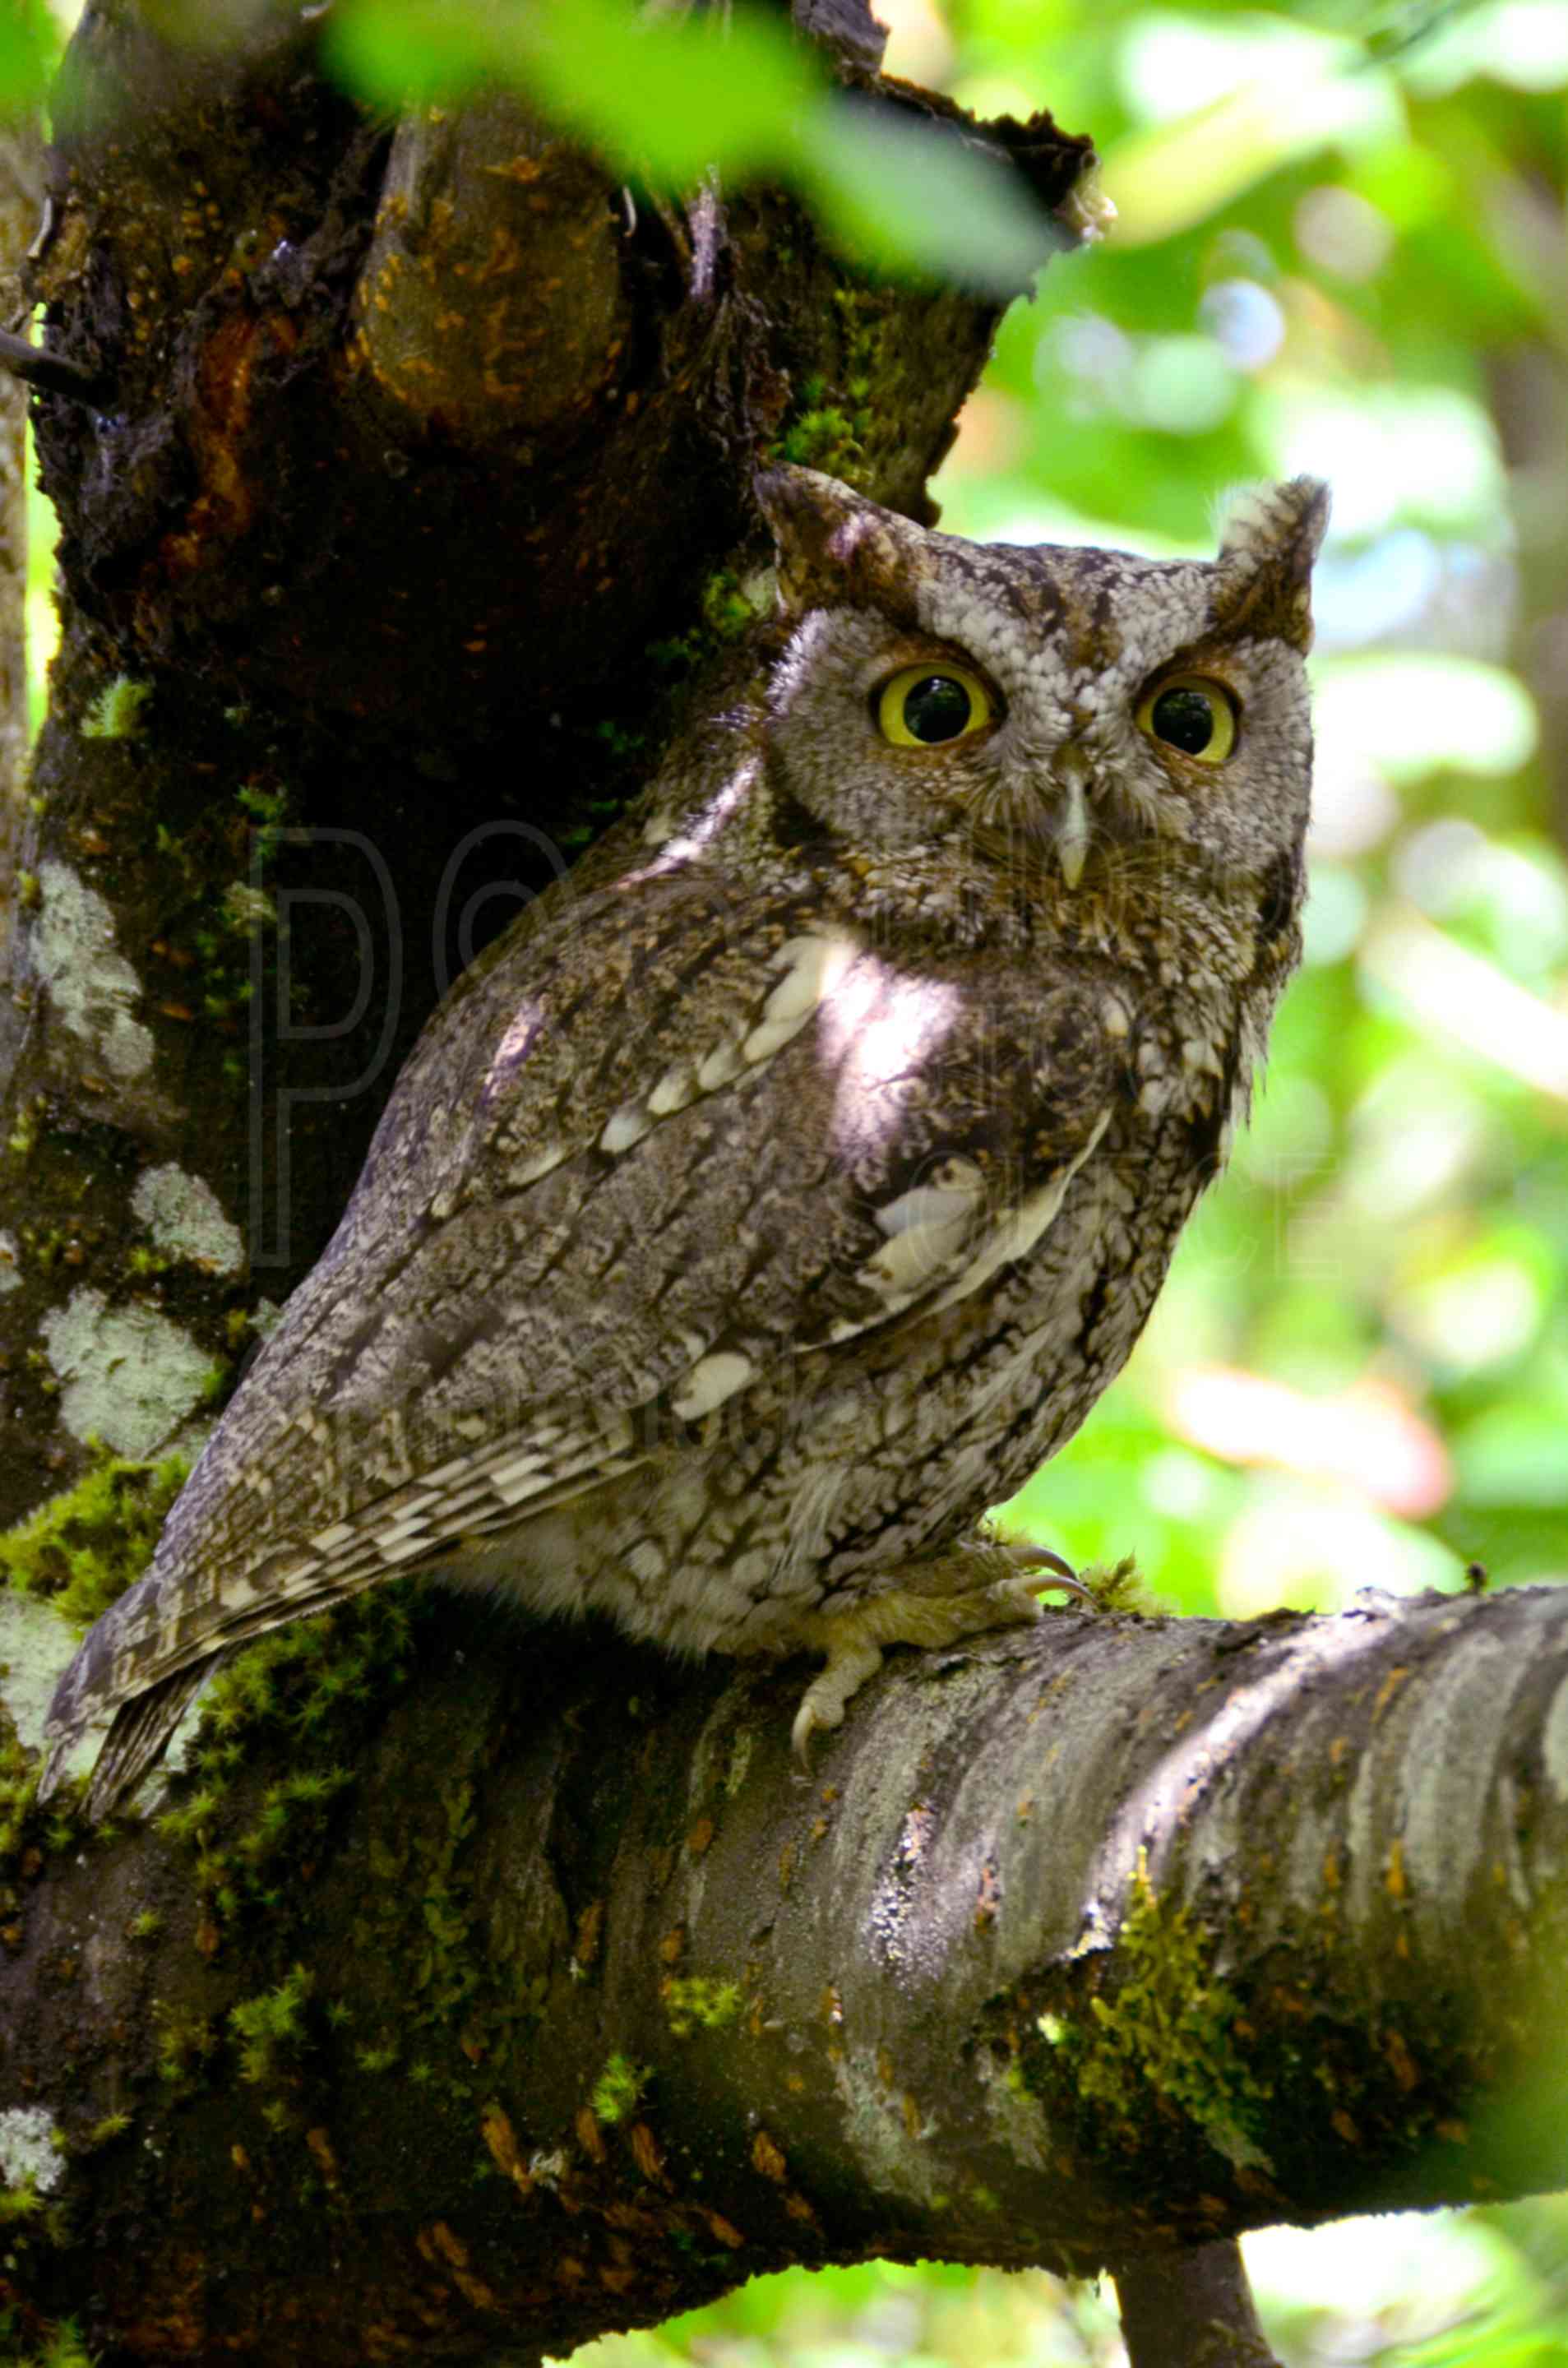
478, 1980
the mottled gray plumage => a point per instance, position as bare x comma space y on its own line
747, 1223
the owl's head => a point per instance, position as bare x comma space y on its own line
1083, 702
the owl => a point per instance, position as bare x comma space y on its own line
750, 1218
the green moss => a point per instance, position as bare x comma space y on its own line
726, 610
85, 1547
175, 849
115, 713
23, 1138
291, 1816
692, 2001
309, 1682
187, 2043
1117, 1587
445, 1995
102, 2133
271, 2028
269, 810
619, 739
676, 652
618, 2089
467, 1989
299, 1678
190, 1819
835, 421
823, 439
62, 2347
1170, 2027
18, 1783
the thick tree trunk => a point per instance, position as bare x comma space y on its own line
480, 1987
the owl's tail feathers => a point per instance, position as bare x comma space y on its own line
138, 1736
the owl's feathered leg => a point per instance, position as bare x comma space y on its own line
932, 1610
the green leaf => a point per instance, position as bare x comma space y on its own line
29, 49
670, 100
908, 194
667, 99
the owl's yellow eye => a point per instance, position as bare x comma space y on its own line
922, 706
1194, 714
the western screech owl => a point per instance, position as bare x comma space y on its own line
746, 1223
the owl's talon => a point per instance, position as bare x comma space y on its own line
849, 1664
1043, 1558
854, 1641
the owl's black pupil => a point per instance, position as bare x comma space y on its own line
1185, 719
937, 708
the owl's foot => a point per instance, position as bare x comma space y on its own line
922, 1614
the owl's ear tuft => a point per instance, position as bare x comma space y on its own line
835, 547
1271, 538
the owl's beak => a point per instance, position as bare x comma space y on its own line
1069, 773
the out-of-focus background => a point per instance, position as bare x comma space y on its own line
1341, 246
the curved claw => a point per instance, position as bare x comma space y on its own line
823, 1702
1032, 1557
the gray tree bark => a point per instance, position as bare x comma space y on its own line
483, 1982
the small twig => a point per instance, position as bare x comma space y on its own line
50, 371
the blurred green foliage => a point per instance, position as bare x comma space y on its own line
677, 96
30, 40
1344, 252
1341, 247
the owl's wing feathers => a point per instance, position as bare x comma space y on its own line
785, 1144
786, 1140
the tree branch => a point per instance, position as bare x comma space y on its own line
1191, 2310
1078, 1947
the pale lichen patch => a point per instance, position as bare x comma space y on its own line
247, 908
35, 1646
130, 1376
27, 2156
91, 986
185, 1217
